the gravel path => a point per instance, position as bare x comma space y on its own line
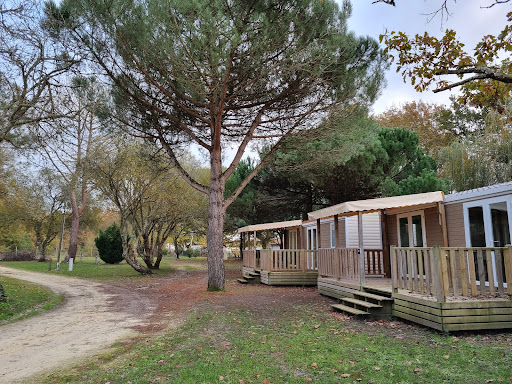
92, 318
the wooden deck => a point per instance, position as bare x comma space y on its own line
448, 289
453, 289
296, 267
456, 314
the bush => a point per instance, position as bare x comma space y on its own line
110, 245
18, 256
189, 252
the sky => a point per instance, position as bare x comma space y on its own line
467, 18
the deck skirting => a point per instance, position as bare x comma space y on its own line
308, 278
336, 289
463, 315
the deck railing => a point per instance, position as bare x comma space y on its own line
343, 263
250, 258
289, 260
457, 272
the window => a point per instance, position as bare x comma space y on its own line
411, 229
333, 236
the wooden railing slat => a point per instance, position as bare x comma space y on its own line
507, 261
463, 270
498, 256
481, 270
453, 270
490, 272
421, 272
472, 271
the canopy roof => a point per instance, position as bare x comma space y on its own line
377, 204
268, 226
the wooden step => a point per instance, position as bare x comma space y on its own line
255, 273
248, 277
377, 291
372, 296
242, 281
361, 303
349, 310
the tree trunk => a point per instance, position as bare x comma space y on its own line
73, 233
216, 214
73, 236
176, 250
130, 251
3, 298
158, 258
147, 253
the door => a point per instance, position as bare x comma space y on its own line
411, 229
487, 224
312, 248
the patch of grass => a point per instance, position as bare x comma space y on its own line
303, 345
25, 299
87, 269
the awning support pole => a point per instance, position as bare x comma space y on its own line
361, 250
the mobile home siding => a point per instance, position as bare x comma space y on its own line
304, 238
372, 237
341, 241
325, 235
392, 230
433, 229
455, 225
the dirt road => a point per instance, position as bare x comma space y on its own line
93, 316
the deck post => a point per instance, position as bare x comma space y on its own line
318, 238
394, 270
507, 261
336, 232
442, 217
436, 254
385, 238
361, 250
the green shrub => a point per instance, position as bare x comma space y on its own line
189, 252
110, 245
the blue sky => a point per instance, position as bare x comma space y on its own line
468, 19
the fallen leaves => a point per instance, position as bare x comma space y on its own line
417, 371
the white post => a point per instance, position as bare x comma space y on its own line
70, 268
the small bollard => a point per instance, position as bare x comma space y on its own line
49, 264
96, 260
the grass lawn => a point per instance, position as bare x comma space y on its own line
25, 299
87, 269
298, 344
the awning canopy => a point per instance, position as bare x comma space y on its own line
268, 226
377, 204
